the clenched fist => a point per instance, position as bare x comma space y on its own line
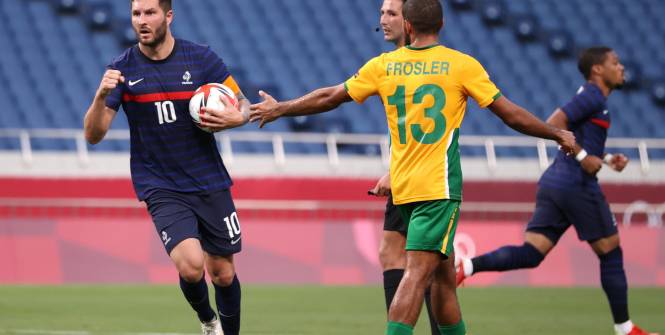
109, 82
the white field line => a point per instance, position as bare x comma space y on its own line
77, 332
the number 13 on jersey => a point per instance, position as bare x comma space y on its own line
435, 113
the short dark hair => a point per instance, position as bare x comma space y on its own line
426, 16
166, 5
590, 57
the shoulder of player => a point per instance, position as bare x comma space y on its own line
193, 47
459, 58
463, 57
592, 93
189, 45
122, 59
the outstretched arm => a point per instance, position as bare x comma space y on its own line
521, 120
318, 101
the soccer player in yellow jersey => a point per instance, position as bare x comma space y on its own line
424, 87
392, 253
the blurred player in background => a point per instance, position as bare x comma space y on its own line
392, 252
569, 193
424, 87
176, 167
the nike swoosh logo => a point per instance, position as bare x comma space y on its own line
233, 242
605, 111
132, 83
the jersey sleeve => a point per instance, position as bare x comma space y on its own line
582, 106
217, 72
477, 83
114, 99
364, 83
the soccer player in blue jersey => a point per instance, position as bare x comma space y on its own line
176, 167
392, 250
569, 193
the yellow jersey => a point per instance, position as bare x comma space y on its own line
424, 91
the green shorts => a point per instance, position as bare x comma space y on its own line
431, 224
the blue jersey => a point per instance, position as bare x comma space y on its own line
168, 151
589, 120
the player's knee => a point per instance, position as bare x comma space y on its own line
420, 276
190, 271
222, 277
392, 258
532, 256
191, 274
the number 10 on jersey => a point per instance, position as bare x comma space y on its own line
165, 111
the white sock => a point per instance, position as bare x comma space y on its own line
468, 267
624, 328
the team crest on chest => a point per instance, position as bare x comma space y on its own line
187, 78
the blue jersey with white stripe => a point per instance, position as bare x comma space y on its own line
168, 151
589, 120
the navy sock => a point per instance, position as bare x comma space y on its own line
508, 258
228, 306
391, 279
432, 322
615, 285
197, 296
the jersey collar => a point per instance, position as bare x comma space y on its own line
422, 48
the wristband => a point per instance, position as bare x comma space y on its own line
581, 155
608, 158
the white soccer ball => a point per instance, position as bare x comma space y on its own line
209, 95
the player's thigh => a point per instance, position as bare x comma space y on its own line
590, 214
548, 221
188, 259
606, 244
432, 225
392, 252
219, 224
173, 217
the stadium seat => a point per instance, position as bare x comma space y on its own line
560, 44
658, 92
124, 32
100, 16
67, 6
301, 124
461, 4
632, 74
493, 12
526, 27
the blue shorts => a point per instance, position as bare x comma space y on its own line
586, 210
210, 218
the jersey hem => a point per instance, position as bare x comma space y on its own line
356, 100
489, 101
456, 197
428, 247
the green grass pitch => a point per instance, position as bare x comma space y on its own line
293, 310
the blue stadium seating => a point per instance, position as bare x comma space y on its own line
53, 59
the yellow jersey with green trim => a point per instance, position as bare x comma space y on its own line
424, 91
